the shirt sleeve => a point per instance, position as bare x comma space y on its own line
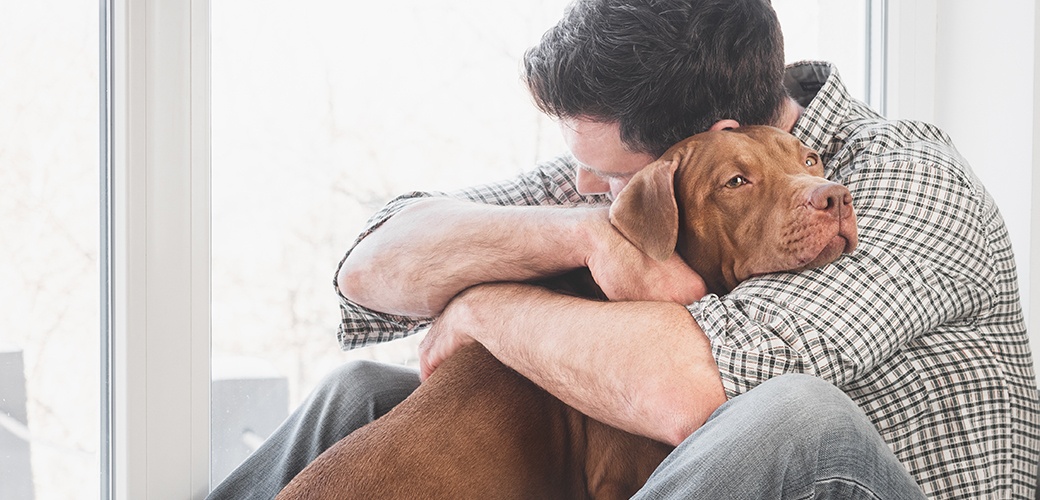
922, 261
551, 183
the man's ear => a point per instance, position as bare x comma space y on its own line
645, 211
725, 125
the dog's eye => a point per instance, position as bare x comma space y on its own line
810, 161
736, 182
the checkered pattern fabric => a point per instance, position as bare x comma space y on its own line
922, 325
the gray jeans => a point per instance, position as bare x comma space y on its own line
792, 437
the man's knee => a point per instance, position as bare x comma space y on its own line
797, 403
814, 413
798, 388
363, 389
364, 376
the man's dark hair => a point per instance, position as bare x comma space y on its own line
662, 69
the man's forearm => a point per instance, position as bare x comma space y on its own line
644, 367
419, 259
422, 257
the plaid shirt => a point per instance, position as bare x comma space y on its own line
922, 325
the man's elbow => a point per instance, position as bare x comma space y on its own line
680, 414
350, 282
370, 284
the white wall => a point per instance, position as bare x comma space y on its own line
1034, 275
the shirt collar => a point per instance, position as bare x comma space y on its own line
817, 87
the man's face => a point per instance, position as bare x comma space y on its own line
605, 166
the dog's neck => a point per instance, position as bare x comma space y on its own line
716, 279
718, 285
717, 270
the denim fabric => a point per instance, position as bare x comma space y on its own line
794, 436
348, 398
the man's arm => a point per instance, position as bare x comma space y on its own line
423, 256
644, 367
426, 254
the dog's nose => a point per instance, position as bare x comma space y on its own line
831, 198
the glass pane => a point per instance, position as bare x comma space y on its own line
49, 352
322, 112
828, 30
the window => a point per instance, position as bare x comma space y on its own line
48, 249
160, 179
829, 30
360, 102
350, 105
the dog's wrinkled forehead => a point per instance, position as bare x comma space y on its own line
743, 148
760, 143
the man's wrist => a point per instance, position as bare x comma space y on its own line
595, 234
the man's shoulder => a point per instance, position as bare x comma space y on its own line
876, 147
917, 197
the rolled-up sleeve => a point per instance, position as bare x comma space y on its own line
551, 183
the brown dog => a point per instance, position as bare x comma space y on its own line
734, 204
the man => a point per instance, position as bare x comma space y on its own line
921, 326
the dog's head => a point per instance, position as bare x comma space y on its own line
738, 203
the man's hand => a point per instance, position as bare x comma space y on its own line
416, 262
625, 273
448, 334
643, 367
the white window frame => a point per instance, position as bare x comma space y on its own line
158, 244
158, 275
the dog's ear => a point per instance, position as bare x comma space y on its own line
645, 210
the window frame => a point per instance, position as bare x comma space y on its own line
156, 211
155, 185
